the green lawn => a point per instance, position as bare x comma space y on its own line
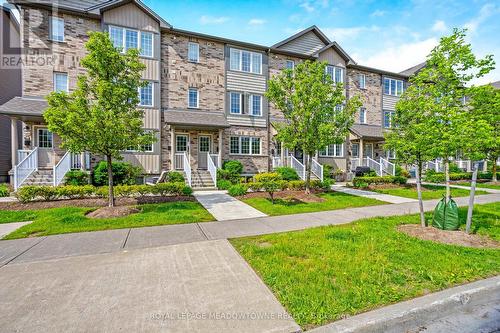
322, 274
72, 219
333, 200
481, 185
429, 192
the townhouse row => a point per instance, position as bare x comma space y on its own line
204, 100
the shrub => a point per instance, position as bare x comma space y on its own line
101, 191
267, 176
123, 173
255, 186
4, 190
399, 171
287, 173
175, 177
223, 184
315, 184
326, 184
283, 184
233, 167
76, 178
48, 193
370, 173
27, 193
327, 171
75, 192
178, 188
296, 185
237, 190
144, 190
124, 190
358, 181
453, 168
186, 190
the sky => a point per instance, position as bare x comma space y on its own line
390, 35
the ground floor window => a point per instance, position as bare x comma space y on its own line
390, 154
245, 145
355, 149
45, 138
334, 150
181, 143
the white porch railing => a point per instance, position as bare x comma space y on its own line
80, 161
387, 167
276, 162
25, 168
212, 166
186, 167
298, 166
62, 168
355, 162
374, 165
22, 153
179, 161
317, 169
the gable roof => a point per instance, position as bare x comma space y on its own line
339, 50
496, 84
412, 70
299, 34
307, 42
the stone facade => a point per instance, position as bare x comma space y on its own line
251, 163
371, 95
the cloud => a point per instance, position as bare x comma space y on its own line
484, 13
439, 26
378, 13
307, 7
399, 57
342, 34
256, 21
213, 20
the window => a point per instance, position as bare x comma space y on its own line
143, 148
116, 36
333, 150
235, 102
362, 115
335, 73
355, 149
390, 154
57, 29
181, 143
61, 82
339, 107
388, 116
131, 39
290, 64
193, 98
255, 103
146, 44
244, 145
362, 81
393, 87
193, 52
146, 95
245, 61
45, 138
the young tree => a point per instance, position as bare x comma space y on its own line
101, 115
316, 111
443, 81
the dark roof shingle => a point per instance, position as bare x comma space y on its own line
196, 118
30, 106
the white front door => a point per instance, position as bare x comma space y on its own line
44, 140
203, 151
181, 147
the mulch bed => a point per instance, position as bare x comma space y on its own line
109, 212
286, 195
389, 186
90, 202
448, 237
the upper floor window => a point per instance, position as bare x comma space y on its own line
146, 95
388, 116
193, 52
290, 64
61, 82
235, 103
57, 29
336, 73
393, 87
193, 98
125, 39
333, 150
245, 61
362, 81
255, 103
362, 115
144, 148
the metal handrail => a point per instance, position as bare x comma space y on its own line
25, 168
387, 166
211, 166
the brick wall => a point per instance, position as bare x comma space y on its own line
251, 164
371, 96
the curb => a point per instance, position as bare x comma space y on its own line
413, 313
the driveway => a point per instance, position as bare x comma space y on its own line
195, 287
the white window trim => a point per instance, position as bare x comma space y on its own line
197, 53
152, 95
250, 105
290, 61
139, 37
250, 145
357, 155
362, 78
197, 98
51, 29
392, 113
333, 77
187, 142
240, 102
38, 129
54, 80
240, 65
144, 151
362, 120
390, 93
335, 153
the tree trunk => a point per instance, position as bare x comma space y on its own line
418, 173
471, 197
110, 182
494, 170
307, 165
447, 178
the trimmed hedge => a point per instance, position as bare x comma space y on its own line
287, 173
279, 184
237, 190
123, 173
439, 177
364, 181
4, 190
47, 193
76, 178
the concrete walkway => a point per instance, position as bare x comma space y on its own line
87, 243
7, 228
196, 287
224, 207
373, 195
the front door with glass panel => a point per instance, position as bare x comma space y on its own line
44, 140
203, 151
181, 147
368, 150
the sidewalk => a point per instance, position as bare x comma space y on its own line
224, 207
373, 195
86, 243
